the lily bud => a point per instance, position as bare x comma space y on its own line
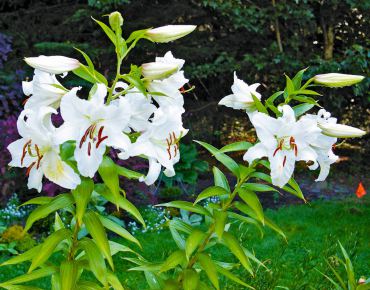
158, 70
340, 131
169, 32
53, 64
335, 80
115, 20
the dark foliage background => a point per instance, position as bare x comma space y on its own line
260, 39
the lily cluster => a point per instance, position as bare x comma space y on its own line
135, 122
290, 136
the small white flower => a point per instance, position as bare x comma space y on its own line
93, 125
38, 150
158, 70
169, 32
335, 80
284, 141
160, 143
241, 99
53, 64
44, 89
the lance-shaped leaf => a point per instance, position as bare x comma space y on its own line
232, 277
233, 244
176, 258
297, 80
26, 256
302, 108
211, 191
40, 200
90, 75
121, 202
109, 32
82, 196
96, 230
296, 187
47, 248
250, 198
112, 226
40, 273
220, 221
96, 260
220, 179
108, 172
58, 202
190, 279
209, 267
180, 225
223, 158
154, 281
193, 241
130, 174
258, 187
237, 146
185, 205
260, 107
246, 220
21, 287
114, 282
68, 275
87, 285
116, 248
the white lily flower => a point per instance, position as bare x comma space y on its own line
340, 131
38, 150
284, 141
171, 85
335, 80
160, 143
141, 107
93, 125
44, 89
322, 144
241, 99
55, 64
169, 32
158, 70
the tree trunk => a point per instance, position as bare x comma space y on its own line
277, 29
329, 43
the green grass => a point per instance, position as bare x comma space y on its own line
312, 231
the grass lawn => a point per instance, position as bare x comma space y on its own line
312, 231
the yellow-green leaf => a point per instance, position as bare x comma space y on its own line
96, 230
173, 260
114, 282
187, 206
44, 272
190, 279
193, 241
220, 221
26, 256
232, 277
68, 274
108, 172
250, 198
210, 268
82, 195
211, 191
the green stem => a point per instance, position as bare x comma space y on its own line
73, 248
118, 71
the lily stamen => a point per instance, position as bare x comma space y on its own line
29, 168
24, 153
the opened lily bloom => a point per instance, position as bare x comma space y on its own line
93, 125
169, 32
241, 99
141, 107
284, 141
43, 90
160, 143
53, 64
322, 144
169, 87
38, 150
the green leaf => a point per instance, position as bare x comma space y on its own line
231, 276
21, 287
233, 244
90, 75
220, 179
223, 158
26, 256
87, 285
180, 225
246, 220
44, 272
295, 186
96, 230
275, 227
96, 260
109, 32
253, 258
211, 191
308, 100
68, 275
58, 223
273, 97
306, 92
237, 146
40, 200
250, 198
260, 107
136, 82
116, 248
109, 174
193, 241
82, 195
61, 201
297, 80
87, 58
302, 108
349, 268
209, 267
137, 35
176, 258
121, 202
154, 282
259, 187
220, 221
114, 282
187, 206
190, 279
289, 85
179, 240
112, 226
47, 248
130, 174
